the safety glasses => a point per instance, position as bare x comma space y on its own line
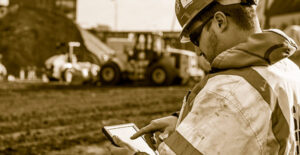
195, 35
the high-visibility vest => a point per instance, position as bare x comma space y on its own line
261, 108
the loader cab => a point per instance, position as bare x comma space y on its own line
147, 46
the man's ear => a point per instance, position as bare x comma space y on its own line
221, 20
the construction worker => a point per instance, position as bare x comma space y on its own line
249, 101
3, 11
3, 71
4, 3
3, 8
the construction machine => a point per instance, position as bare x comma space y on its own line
145, 57
65, 67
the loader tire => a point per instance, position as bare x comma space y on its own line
68, 76
160, 74
110, 74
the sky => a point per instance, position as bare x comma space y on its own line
131, 14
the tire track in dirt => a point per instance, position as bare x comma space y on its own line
77, 116
61, 137
90, 114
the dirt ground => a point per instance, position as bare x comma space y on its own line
59, 119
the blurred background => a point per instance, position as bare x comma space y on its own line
70, 67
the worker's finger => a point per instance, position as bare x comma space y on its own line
157, 140
150, 140
147, 129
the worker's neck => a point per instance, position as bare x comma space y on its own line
243, 35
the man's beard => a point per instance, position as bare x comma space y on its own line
212, 47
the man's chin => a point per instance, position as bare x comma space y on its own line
203, 63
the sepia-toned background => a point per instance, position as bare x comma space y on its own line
70, 67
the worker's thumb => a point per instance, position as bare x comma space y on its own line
164, 135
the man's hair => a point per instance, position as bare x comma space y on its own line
243, 15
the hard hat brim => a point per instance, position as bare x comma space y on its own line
184, 39
189, 28
184, 35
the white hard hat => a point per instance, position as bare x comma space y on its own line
4, 3
186, 11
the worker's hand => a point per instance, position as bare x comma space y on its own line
124, 149
161, 128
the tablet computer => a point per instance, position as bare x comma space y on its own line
124, 132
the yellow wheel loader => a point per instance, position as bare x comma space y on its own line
146, 58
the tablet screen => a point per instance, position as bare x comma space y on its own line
125, 131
